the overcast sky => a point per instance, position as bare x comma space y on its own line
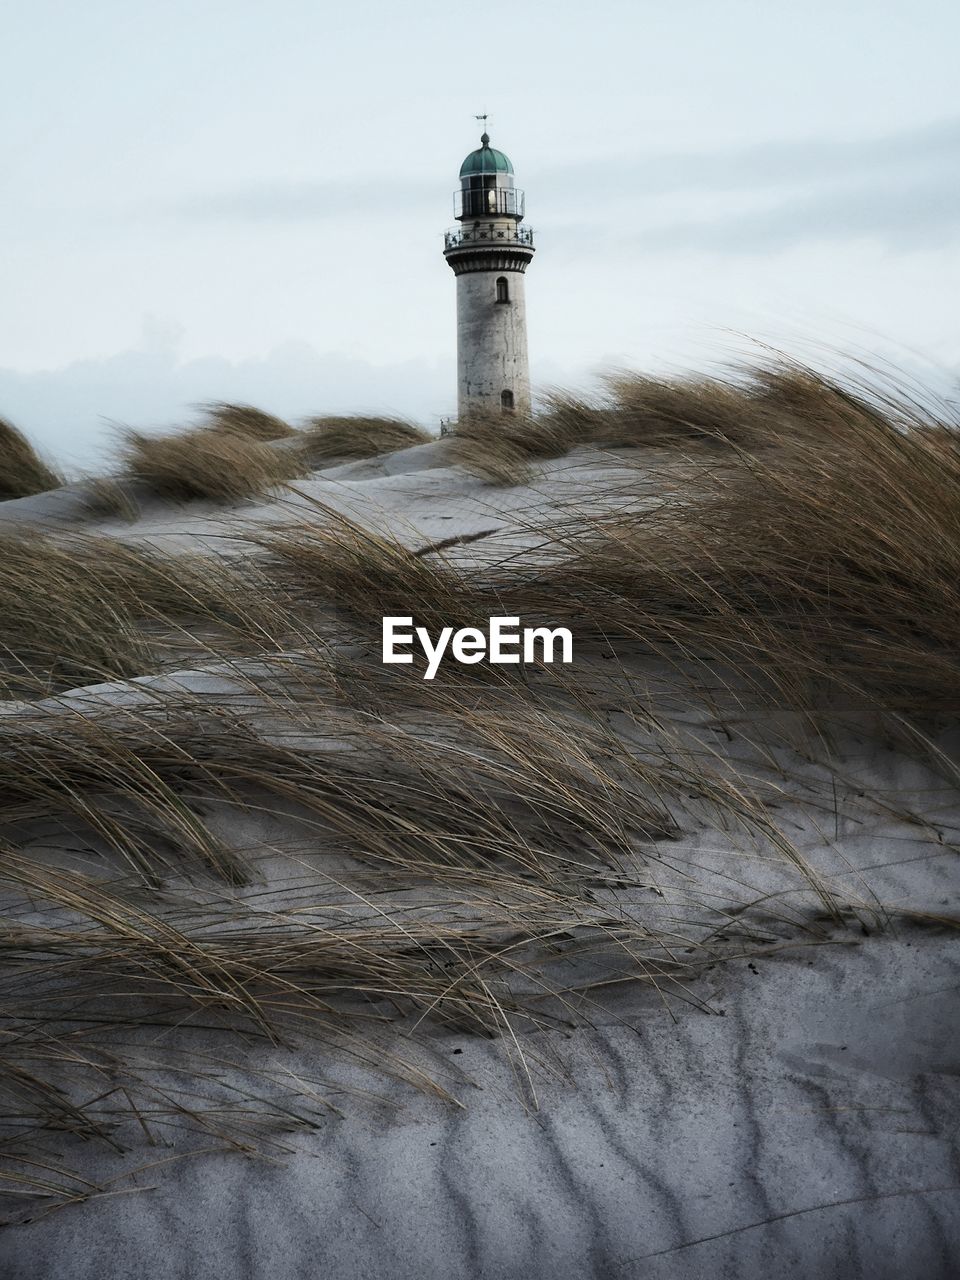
220, 199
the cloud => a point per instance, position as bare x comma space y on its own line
919, 215
72, 413
900, 189
760, 167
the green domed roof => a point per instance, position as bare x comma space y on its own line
485, 160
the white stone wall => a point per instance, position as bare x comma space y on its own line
491, 343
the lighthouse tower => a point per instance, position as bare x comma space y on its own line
489, 252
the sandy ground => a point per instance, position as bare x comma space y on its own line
793, 1114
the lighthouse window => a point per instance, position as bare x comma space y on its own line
503, 289
506, 401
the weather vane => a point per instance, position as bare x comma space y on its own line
484, 117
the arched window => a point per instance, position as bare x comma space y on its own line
506, 402
503, 289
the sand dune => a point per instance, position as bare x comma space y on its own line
632, 968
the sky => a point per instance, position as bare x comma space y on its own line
246, 201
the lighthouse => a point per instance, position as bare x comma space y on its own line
489, 252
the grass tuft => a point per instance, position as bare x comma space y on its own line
341, 439
81, 609
22, 471
106, 497
209, 463
246, 420
499, 449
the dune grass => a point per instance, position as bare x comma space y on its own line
323, 440
631, 411
209, 463
516, 824
821, 548
241, 452
488, 853
755, 407
22, 471
365, 575
246, 420
829, 551
145, 993
192, 473
107, 497
82, 608
500, 448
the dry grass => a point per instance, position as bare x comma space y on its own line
209, 463
181, 977
22, 472
823, 546
525, 829
632, 411
108, 497
365, 575
753, 408
486, 857
516, 826
62, 627
341, 439
113, 781
499, 449
81, 608
650, 411
827, 549
246, 420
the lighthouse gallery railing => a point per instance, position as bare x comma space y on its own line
485, 234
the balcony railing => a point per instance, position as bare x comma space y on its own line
491, 200
484, 233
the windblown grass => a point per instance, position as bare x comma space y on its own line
340, 439
246, 420
830, 550
365, 575
500, 449
143, 994
22, 471
820, 549
110, 498
755, 407
209, 463
526, 830
80, 609
486, 857
60, 630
